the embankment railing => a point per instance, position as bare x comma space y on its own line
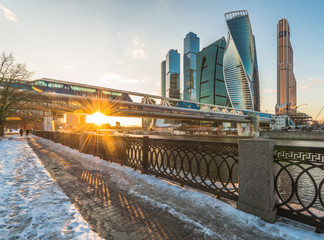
213, 167
208, 166
299, 184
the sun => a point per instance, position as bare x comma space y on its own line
97, 118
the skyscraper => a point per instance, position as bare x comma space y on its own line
286, 82
239, 60
163, 78
211, 87
256, 84
172, 80
191, 48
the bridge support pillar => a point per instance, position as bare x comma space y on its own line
244, 131
257, 173
48, 123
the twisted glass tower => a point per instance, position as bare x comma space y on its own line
239, 60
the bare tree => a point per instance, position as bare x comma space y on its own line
14, 88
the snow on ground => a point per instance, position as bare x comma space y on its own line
32, 206
209, 215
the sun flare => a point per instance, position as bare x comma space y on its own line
97, 118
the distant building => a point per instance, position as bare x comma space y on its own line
163, 69
286, 82
211, 87
191, 48
281, 122
172, 80
240, 61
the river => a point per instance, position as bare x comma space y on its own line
234, 139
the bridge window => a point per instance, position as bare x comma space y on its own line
106, 92
83, 89
111, 93
89, 90
40, 83
55, 85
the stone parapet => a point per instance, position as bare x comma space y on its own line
256, 179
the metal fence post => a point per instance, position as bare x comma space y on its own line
145, 150
256, 178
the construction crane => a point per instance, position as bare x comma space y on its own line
319, 113
294, 107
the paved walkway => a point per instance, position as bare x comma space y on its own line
111, 212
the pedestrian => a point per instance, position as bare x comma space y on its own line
21, 131
27, 132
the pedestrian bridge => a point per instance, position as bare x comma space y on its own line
62, 96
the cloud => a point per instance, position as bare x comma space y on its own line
155, 93
310, 83
113, 78
138, 49
138, 53
137, 42
130, 81
70, 66
10, 16
270, 90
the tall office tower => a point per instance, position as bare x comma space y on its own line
286, 82
256, 84
172, 80
191, 48
211, 87
163, 69
239, 60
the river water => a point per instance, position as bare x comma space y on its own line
286, 142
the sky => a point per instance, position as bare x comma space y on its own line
121, 43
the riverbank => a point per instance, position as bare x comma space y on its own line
293, 135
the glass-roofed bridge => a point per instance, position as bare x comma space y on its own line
68, 97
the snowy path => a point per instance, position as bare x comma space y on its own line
201, 212
32, 206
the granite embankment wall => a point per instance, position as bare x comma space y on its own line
293, 135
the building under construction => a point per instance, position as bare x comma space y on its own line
299, 118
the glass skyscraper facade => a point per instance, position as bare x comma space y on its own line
191, 48
211, 87
239, 60
286, 82
255, 81
172, 80
163, 78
